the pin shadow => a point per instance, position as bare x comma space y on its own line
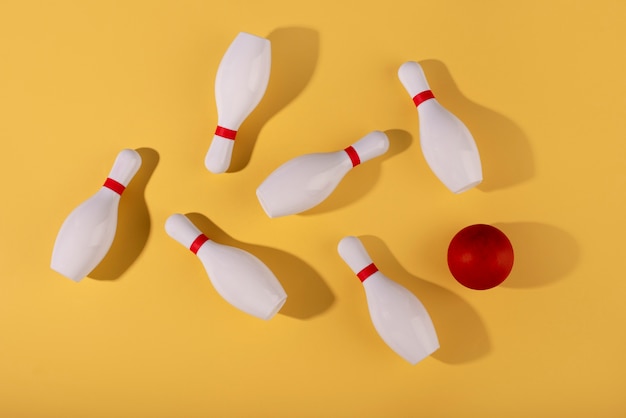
133, 222
543, 253
462, 335
307, 293
295, 52
359, 181
505, 151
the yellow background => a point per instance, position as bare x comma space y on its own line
542, 86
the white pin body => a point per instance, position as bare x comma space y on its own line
219, 156
88, 232
241, 81
238, 276
400, 319
448, 146
126, 165
398, 316
302, 183
242, 279
372, 145
413, 79
305, 181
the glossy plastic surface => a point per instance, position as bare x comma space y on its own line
305, 181
448, 146
398, 316
241, 80
87, 233
480, 256
238, 276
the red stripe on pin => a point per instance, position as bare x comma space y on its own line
117, 187
225, 132
354, 157
420, 98
197, 243
367, 272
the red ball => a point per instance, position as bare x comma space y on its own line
480, 256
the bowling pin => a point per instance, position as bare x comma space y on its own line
238, 276
305, 181
447, 144
240, 83
398, 316
87, 233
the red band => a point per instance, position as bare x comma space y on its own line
197, 243
422, 97
117, 187
354, 157
225, 132
367, 272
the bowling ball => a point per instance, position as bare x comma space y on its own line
480, 256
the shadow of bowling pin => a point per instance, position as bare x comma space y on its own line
504, 149
133, 223
307, 293
462, 335
360, 180
294, 58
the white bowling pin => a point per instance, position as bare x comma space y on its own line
447, 144
398, 316
238, 276
241, 80
87, 233
305, 181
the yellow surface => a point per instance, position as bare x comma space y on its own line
542, 86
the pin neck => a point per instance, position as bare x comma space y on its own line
116, 186
197, 243
225, 132
420, 98
367, 272
354, 156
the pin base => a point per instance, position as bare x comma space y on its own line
467, 187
